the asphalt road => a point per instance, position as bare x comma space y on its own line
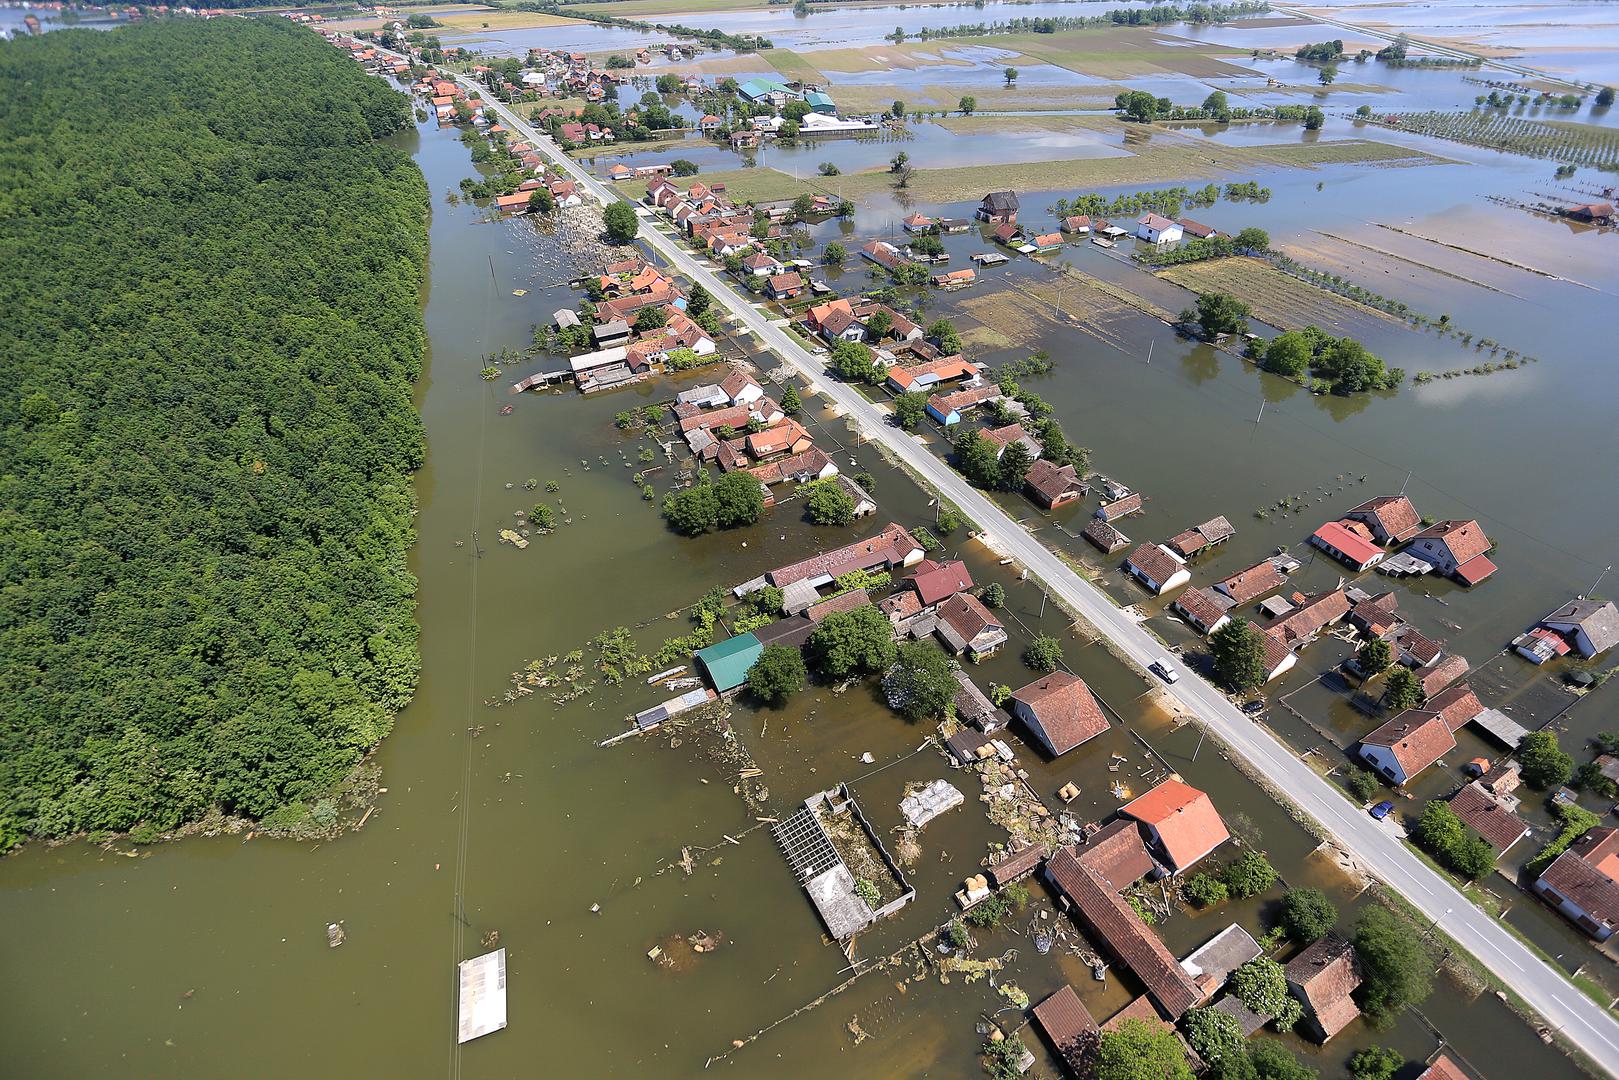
1584, 1023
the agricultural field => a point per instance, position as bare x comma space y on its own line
1162, 161
1111, 53
933, 97
1566, 141
501, 20
743, 185
671, 9
1276, 298
792, 65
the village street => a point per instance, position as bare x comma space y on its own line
1585, 1023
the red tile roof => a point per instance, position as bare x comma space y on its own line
967, 616
937, 582
1443, 1068
1116, 509
1188, 825
1443, 674
1155, 562
1072, 1031
1310, 618
1328, 972
1475, 570
1584, 876
890, 547
1416, 738
1357, 550
1066, 709
1116, 925
1455, 706
1393, 514
1485, 815
1200, 606
1115, 854
1252, 583
1465, 539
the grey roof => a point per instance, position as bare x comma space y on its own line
1000, 201
844, 913
1598, 618
565, 317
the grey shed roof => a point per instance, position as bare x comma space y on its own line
1598, 618
565, 317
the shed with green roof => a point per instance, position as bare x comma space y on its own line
727, 662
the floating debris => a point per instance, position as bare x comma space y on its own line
334, 935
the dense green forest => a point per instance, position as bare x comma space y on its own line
212, 325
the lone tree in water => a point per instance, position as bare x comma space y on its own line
1394, 964
1044, 653
1307, 914
1374, 656
1011, 76
620, 222
922, 685
852, 642
1402, 690
1222, 313
828, 504
1239, 656
778, 674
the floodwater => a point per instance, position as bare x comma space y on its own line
208, 956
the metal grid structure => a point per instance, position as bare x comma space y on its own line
805, 845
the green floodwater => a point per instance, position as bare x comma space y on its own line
209, 957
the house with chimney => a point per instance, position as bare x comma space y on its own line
1457, 549
1059, 711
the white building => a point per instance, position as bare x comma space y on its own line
1157, 229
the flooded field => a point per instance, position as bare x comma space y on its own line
209, 957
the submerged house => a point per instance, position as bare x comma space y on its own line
1323, 977
1180, 822
998, 207
1158, 568
1457, 549
1583, 883
1059, 711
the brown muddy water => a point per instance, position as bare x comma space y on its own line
208, 957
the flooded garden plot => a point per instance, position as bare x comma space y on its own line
1276, 298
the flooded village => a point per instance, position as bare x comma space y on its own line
742, 744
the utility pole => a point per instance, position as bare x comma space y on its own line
1598, 581
1261, 415
1407, 481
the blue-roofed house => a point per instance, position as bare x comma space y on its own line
821, 103
727, 662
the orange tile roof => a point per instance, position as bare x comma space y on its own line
1189, 827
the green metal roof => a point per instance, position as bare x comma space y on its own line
816, 98
758, 88
727, 663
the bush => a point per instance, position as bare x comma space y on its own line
994, 595
1307, 914
1363, 784
828, 504
1394, 964
1214, 1034
1204, 890
1249, 874
1456, 846
1544, 764
988, 913
777, 674
1261, 984
1375, 1063
1044, 653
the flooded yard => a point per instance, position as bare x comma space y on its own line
209, 956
